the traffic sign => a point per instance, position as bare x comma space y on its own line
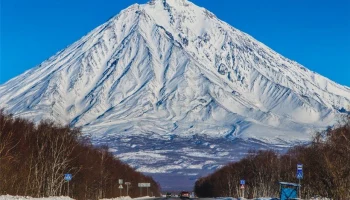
120, 187
242, 182
299, 166
144, 184
120, 181
67, 177
300, 173
242, 187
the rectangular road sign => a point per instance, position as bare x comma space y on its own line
120, 181
144, 184
299, 166
242, 182
300, 173
67, 177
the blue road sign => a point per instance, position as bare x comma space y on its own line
67, 177
300, 173
242, 182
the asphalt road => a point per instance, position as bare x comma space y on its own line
174, 198
178, 198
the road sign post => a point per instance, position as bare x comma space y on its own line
300, 175
120, 188
142, 185
127, 187
242, 183
120, 181
68, 177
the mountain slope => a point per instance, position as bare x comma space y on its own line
170, 86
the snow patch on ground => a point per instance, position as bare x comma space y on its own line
167, 85
260, 198
9, 197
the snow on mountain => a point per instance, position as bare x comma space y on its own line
171, 87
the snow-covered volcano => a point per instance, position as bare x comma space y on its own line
170, 87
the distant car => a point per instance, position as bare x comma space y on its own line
184, 195
168, 195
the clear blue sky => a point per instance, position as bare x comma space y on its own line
315, 33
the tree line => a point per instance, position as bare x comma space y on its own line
35, 157
326, 166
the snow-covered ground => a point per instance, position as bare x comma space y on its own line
261, 198
9, 197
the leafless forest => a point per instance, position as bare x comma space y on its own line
34, 159
326, 163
